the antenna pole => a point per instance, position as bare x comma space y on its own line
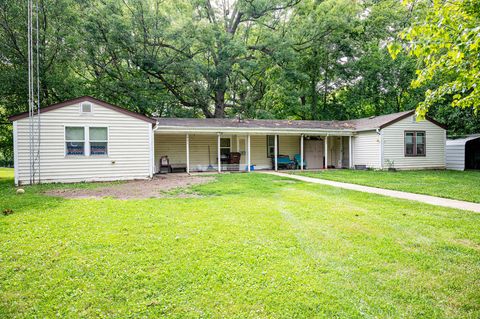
34, 92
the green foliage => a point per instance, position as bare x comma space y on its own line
339, 67
6, 140
447, 43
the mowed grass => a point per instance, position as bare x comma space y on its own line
448, 184
254, 246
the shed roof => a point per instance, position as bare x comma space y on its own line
463, 140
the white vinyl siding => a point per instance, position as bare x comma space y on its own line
334, 151
394, 145
289, 145
366, 149
258, 150
455, 155
173, 146
128, 147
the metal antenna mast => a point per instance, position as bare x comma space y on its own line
34, 90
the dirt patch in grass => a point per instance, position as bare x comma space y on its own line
170, 185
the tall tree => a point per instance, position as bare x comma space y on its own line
57, 28
447, 43
196, 51
340, 67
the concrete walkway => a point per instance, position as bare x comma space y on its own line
432, 200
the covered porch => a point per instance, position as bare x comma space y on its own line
193, 151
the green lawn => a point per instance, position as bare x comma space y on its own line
254, 246
448, 184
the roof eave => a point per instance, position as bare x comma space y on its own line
181, 129
401, 117
404, 116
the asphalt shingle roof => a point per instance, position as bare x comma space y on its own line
358, 124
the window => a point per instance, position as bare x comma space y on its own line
271, 145
98, 137
86, 141
74, 140
225, 146
415, 143
86, 107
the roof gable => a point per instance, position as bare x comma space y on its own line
409, 113
84, 99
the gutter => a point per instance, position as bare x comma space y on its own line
181, 129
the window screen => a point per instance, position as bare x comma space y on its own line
98, 140
74, 141
86, 107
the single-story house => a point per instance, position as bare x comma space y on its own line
463, 153
86, 139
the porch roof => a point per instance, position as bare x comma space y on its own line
291, 126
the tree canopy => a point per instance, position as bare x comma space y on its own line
447, 45
292, 59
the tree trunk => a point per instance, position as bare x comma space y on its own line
220, 90
219, 103
325, 83
313, 86
313, 92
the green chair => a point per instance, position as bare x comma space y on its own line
298, 160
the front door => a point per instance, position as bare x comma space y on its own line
314, 154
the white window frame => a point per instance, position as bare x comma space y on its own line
81, 108
86, 151
65, 141
107, 141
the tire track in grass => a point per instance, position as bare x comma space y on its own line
295, 224
330, 272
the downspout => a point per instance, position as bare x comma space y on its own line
152, 149
380, 139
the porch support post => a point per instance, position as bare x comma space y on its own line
219, 160
341, 152
151, 141
187, 143
326, 152
248, 153
301, 152
276, 152
350, 159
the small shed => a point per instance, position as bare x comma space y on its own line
463, 153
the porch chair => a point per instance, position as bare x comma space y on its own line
298, 161
164, 165
234, 161
283, 161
